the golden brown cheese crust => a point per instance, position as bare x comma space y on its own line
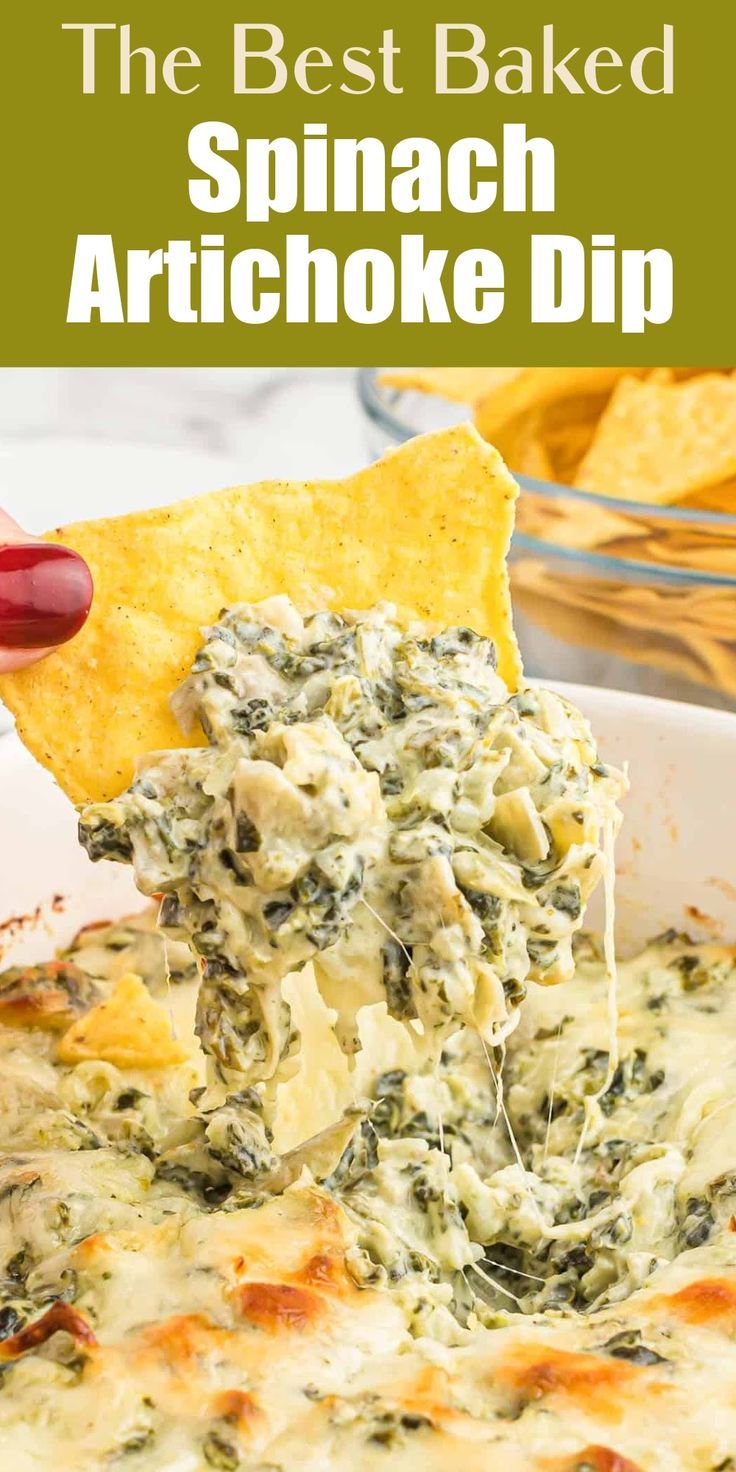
601, 1386
593, 1459
708, 1301
61, 1317
48, 996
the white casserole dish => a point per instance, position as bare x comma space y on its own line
675, 855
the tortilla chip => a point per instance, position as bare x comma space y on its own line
567, 442
687, 632
713, 498
129, 1030
543, 421
460, 385
541, 388
532, 459
555, 408
428, 528
579, 523
676, 547
659, 442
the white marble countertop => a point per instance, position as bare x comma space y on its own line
259, 423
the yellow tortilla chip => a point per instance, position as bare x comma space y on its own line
714, 498
508, 391
531, 458
661, 441
680, 548
567, 442
129, 1030
460, 385
543, 421
578, 523
557, 409
428, 528
541, 388
689, 633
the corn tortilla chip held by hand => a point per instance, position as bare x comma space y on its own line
427, 528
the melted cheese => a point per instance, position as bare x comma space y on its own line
152, 1320
399, 1220
371, 799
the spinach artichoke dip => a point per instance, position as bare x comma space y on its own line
312, 1168
375, 801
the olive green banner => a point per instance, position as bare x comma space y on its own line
397, 183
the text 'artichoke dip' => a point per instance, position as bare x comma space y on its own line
371, 799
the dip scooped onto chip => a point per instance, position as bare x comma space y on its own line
373, 794
373, 798
428, 527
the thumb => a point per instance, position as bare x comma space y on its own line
45, 595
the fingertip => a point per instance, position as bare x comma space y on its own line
12, 660
45, 597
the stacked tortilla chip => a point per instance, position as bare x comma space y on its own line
650, 439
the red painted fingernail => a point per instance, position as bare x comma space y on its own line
45, 595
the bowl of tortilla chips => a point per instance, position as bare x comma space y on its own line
624, 558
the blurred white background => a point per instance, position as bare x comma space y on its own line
90, 442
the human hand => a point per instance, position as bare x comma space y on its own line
45, 595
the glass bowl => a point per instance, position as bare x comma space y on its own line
630, 595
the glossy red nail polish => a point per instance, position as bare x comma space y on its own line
45, 595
